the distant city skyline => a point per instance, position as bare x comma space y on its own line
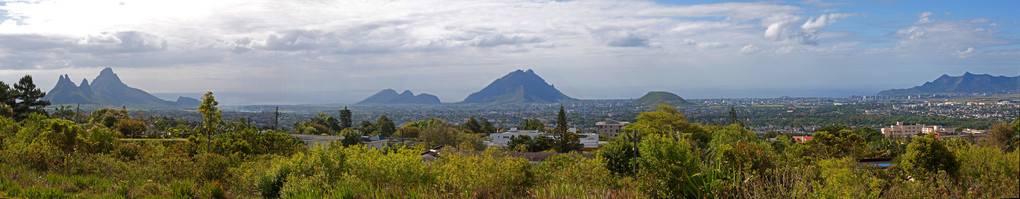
304, 52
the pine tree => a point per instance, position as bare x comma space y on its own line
345, 119
210, 114
566, 141
27, 99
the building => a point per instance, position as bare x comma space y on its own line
609, 128
801, 138
911, 130
589, 140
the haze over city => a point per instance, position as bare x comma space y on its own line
272, 52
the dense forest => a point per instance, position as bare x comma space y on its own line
661, 155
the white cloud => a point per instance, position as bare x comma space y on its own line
965, 53
923, 18
749, 49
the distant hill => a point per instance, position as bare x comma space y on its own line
517, 87
106, 89
968, 83
390, 96
661, 97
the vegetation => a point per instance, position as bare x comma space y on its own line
662, 155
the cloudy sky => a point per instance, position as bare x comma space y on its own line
300, 52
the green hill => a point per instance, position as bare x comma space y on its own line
661, 97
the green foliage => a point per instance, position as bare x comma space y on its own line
472, 125
407, 132
926, 155
5, 110
24, 98
617, 154
746, 157
384, 126
100, 139
666, 166
131, 128
531, 124
668, 121
351, 137
731, 135
487, 127
1002, 136
525, 143
108, 117
445, 134
210, 114
345, 119
565, 140
837, 144
842, 178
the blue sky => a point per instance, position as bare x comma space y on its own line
301, 52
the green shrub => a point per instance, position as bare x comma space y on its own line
212, 166
181, 189
666, 167
926, 155
99, 139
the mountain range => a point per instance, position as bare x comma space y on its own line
107, 89
390, 96
968, 83
517, 87
655, 98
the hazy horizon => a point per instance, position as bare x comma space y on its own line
273, 52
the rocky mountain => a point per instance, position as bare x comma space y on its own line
655, 98
968, 83
390, 96
106, 89
517, 87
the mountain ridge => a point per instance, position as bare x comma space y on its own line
967, 83
390, 96
105, 89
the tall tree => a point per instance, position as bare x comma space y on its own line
345, 119
7, 95
210, 114
733, 115
384, 126
28, 99
472, 125
566, 141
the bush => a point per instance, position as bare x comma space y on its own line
212, 166
666, 167
99, 139
131, 128
926, 155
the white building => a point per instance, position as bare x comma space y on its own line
911, 130
589, 140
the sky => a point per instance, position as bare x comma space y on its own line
322, 51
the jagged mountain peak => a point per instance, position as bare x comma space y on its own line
967, 83
390, 96
105, 89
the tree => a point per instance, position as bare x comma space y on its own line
131, 128
6, 111
472, 125
210, 114
367, 127
487, 127
27, 99
869, 134
566, 141
407, 132
1002, 136
618, 153
733, 117
351, 137
926, 155
731, 135
531, 124
384, 126
837, 144
108, 117
345, 119
668, 121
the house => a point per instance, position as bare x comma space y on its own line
801, 138
589, 140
